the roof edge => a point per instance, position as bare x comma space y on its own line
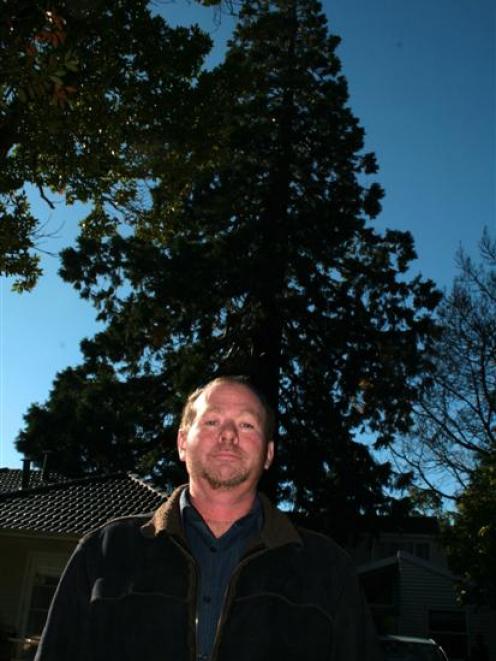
87, 479
404, 556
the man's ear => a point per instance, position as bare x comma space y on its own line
181, 444
269, 455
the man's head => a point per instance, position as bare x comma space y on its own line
189, 409
225, 436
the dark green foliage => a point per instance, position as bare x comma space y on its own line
94, 422
17, 234
470, 537
267, 264
94, 95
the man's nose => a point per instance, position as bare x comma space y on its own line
228, 432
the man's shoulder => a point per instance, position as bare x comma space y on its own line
281, 529
321, 546
120, 528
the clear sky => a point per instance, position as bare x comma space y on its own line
421, 76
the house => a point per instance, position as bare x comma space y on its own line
411, 591
42, 519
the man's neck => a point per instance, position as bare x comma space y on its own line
220, 508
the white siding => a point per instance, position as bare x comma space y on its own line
15, 553
422, 590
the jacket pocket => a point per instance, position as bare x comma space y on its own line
108, 588
127, 625
277, 628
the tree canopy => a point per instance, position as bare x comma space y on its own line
470, 536
93, 96
265, 262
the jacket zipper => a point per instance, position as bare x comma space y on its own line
226, 602
191, 559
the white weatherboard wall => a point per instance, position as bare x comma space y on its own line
15, 553
423, 588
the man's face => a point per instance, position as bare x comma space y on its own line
225, 445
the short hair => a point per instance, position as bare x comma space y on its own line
189, 410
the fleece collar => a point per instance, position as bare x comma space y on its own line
277, 528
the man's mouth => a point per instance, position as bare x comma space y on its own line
226, 454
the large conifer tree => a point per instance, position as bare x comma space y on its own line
267, 265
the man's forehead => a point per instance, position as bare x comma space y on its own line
230, 391
220, 395
242, 410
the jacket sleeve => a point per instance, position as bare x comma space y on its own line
65, 636
355, 637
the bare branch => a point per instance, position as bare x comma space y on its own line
44, 197
454, 428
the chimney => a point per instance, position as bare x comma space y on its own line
45, 475
26, 472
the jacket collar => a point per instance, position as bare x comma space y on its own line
167, 518
277, 528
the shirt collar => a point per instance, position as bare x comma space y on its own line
185, 504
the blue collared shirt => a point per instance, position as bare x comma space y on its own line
217, 558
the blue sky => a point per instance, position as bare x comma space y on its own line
421, 77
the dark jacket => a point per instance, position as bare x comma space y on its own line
128, 594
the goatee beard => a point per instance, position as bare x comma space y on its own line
224, 483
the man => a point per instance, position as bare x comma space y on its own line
217, 572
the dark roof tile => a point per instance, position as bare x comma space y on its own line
76, 506
11, 479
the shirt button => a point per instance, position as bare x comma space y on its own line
207, 599
213, 549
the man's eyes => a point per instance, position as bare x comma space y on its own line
215, 422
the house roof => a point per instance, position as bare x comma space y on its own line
75, 507
11, 479
401, 557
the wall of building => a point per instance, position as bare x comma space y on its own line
17, 553
424, 591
